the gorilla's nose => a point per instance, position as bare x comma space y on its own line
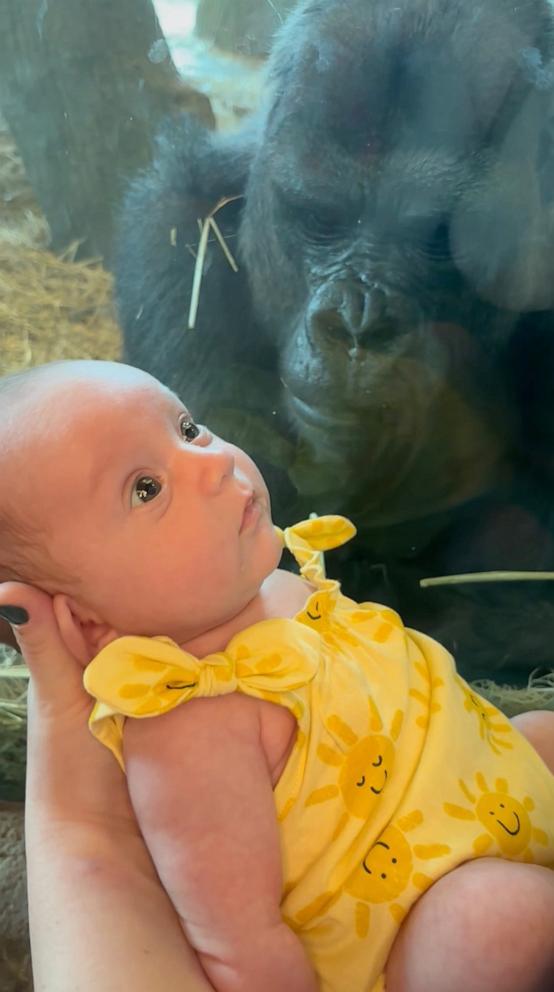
352, 314
362, 308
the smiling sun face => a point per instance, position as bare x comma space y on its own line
364, 773
387, 869
365, 763
505, 819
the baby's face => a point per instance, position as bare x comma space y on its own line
166, 526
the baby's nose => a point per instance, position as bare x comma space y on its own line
215, 466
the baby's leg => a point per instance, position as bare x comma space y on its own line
538, 727
486, 925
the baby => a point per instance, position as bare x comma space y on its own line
327, 803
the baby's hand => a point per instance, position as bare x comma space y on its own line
68, 771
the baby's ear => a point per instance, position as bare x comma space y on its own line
82, 633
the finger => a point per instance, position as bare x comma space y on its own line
61, 748
53, 668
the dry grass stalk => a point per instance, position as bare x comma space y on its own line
469, 577
207, 225
224, 246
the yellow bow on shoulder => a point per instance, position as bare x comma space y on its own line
308, 540
147, 676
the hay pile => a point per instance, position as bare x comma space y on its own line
21, 221
50, 307
53, 307
538, 694
15, 970
13, 724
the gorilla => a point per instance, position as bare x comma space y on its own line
385, 349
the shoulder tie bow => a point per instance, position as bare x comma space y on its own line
308, 540
147, 676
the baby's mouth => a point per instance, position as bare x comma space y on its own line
251, 512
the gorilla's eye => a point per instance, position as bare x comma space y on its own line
439, 244
317, 219
435, 243
145, 489
322, 222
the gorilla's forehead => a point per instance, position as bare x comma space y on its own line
369, 78
408, 181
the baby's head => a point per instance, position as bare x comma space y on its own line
112, 497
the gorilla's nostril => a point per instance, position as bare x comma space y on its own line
350, 313
362, 321
331, 325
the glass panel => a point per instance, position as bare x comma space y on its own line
340, 258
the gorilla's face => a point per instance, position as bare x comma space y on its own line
382, 154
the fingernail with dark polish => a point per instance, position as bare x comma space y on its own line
14, 614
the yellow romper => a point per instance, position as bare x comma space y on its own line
399, 772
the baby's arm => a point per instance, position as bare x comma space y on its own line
201, 788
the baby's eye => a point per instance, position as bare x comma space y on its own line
145, 489
189, 429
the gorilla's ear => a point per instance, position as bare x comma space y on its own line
502, 231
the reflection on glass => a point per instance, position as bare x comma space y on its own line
369, 308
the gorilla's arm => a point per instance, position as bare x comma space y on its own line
193, 169
225, 369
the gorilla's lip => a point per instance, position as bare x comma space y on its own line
316, 418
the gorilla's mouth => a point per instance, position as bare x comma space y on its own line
324, 420
415, 448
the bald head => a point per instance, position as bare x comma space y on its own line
37, 409
38, 401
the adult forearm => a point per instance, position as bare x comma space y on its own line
97, 923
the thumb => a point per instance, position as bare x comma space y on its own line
54, 668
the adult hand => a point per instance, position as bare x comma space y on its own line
99, 918
61, 749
